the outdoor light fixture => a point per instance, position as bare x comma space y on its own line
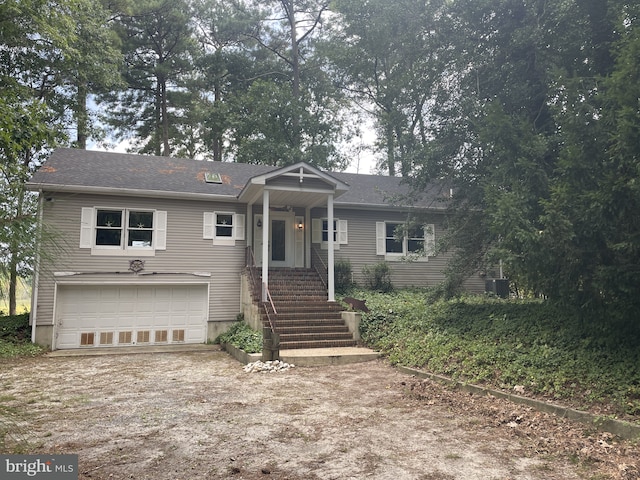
259, 224
300, 225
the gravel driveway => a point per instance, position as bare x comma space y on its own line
198, 415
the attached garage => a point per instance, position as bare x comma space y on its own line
89, 316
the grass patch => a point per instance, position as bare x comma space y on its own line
15, 341
241, 336
13, 438
551, 352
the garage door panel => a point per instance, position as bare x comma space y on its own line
68, 339
191, 336
102, 323
125, 307
165, 320
110, 315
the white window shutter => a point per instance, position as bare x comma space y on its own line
430, 240
342, 232
161, 230
316, 230
381, 235
86, 227
238, 226
208, 225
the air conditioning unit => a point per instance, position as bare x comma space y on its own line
497, 286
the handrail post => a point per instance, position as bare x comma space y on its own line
270, 345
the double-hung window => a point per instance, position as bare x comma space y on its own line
416, 238
114, 231
325, 230
224, 225
397, 240
393, 245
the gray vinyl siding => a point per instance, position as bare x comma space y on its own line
186, 252
361, 250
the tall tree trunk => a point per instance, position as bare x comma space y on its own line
390, 144
217, 133
14, 252
81, 116
13, 284
164, 115
157, 135
289, 9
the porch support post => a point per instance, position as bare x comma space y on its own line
265, 242
330, 259
307, 238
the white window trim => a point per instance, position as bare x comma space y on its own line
341, 232
88, 229
381, 243
209, 228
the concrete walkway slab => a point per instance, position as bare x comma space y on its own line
311, 357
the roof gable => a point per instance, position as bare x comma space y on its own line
302, 182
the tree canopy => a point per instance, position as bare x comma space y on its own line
529, 110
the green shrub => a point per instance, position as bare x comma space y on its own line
343, 276
15, 337
241, 336
549, 350
378, 277
15, 328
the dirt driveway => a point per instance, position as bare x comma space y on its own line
200, 416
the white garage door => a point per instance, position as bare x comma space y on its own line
126, 315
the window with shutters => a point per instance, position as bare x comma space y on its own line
117, 231
399, 240
320, 232
224, 228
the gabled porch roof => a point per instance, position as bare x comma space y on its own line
299, 185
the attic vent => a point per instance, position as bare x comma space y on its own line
212, 177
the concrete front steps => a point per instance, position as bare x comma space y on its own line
305, 318
315, 357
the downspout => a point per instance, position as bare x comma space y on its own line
36, 272
330, 251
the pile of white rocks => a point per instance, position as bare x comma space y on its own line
273, 366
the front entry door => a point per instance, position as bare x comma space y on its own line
281, 244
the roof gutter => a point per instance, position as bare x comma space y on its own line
52, 187
382, 206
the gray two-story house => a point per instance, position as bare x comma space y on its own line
143, 250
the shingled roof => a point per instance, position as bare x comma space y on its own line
76, 170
